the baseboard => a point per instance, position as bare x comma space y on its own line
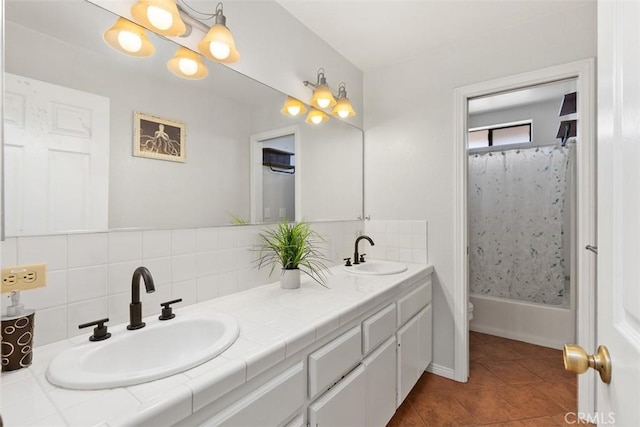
518, 336
441, 371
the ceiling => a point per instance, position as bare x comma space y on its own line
376, 33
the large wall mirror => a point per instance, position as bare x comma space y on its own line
69, 136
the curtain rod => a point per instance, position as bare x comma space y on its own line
510, 147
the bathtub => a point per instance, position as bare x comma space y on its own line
523, 321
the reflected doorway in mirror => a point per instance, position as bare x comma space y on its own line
159, 138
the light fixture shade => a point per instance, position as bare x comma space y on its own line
218, 45
322, 97
315, 117
293, 107
343, 109
129, 38
187, 64
161, 16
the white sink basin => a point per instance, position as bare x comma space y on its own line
160, 349
377, 268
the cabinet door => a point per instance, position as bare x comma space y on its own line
408, 337
343, 405
414, 351
380, 371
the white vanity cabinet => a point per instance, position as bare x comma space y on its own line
380, 373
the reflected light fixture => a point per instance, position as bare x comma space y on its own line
218, 44
129, 38
322, 96
160, 16
293, 107
315, 117
187, 64
343, 108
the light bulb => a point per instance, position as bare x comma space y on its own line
324, 102
220, 50
293, 110
188, 66
129, 41
316, 119
159, 18
343, 114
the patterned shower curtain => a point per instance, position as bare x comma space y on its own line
516, 206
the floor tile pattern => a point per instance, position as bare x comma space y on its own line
511, 384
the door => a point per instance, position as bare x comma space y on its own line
618, 303
56, 166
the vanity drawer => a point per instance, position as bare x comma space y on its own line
378, 328
330, 362
413, 302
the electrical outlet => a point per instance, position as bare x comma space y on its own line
24, 277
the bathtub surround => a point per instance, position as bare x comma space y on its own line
89, 275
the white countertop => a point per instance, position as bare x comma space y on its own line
274, 324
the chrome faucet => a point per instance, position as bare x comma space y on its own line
135, 308
356, 255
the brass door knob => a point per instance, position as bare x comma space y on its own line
577, 360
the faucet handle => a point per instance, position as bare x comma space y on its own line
362, 257
100, 331
348, 262
167, 312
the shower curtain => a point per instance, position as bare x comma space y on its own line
516, 205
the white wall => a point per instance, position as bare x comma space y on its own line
409, 132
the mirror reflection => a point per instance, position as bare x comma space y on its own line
71, 136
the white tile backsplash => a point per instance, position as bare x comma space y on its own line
88, 249
183, 242
51, 250
89, 275
86, 283
156, 244
125, 246
404, 241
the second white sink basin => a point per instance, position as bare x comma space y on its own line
377, 268
158, 350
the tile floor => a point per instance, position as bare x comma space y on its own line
511, 383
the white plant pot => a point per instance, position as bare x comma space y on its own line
290, 279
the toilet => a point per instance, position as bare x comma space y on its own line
470, 311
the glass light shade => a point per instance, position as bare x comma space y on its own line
187, 64
343, 109
129, 38
322, 97
293, 107
315, 117
160, 16
218, 45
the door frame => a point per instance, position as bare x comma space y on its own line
584, 73
255, 170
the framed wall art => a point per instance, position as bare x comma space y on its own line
159, 138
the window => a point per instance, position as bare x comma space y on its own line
503, 134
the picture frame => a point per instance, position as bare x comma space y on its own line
159, 138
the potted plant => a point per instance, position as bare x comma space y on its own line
293, 246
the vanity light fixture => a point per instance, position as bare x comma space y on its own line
343, 108
160, 16
322, 96
218, 44
187, 64
129, 38
293, 107
315, 117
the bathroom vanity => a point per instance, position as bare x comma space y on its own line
347, 355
